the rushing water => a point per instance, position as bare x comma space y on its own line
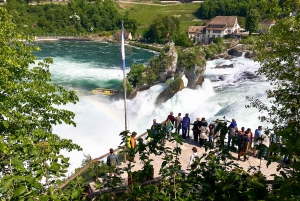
83, 66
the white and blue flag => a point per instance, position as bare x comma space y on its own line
123, 67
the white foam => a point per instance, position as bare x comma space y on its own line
96, 133
72, 70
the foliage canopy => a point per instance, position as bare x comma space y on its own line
31, 163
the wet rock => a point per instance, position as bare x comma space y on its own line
225, 66
246, 75
222, 77
235, 52
170, 91
250, 55
194, 76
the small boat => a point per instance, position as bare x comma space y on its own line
103, 91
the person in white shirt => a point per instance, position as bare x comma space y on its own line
178, 121
266, 142
193, 157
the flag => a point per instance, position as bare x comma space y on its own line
123, 67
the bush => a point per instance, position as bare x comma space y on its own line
248, 40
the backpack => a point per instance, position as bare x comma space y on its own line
244, 142
203, 132
113, 160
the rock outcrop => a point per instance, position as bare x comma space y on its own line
169, 70
235, 52
176, 86
225, 66
250, 55
194, 76
166, 66
246, 75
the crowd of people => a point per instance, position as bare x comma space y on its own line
206, 133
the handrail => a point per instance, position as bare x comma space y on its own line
89, 164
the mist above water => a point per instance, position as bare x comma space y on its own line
100, 120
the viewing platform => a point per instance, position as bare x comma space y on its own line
253, 163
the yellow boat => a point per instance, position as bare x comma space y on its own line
102, 91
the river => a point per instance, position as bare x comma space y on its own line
83, 66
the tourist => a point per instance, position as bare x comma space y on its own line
244, 140
178, 121
257, 134
242, 132
112, 161
169, 127
232, 132
172, 118
266, 142
130, 143
211, 128
196, 129
204, 132
250, 135
185, 125
216, 134
154, 126
203, 122
193, 163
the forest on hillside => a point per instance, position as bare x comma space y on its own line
78, 16
266, 8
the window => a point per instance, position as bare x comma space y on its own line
218, 35
198, 35
229, 31
208, 31
216, 31
213, 36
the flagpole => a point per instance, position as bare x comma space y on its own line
124, 74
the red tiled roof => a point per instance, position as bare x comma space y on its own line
268, 21
196, 29
223, 20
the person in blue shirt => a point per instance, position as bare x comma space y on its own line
185, 125
257, 134
154, 126
232, 131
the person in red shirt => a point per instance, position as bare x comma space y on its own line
171, 118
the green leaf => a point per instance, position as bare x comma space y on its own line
7, 184
3, 147
19, 191
55, 166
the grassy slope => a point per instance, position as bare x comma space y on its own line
145, 13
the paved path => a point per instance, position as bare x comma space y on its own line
186, 149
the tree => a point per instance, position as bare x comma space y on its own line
130, 24
252, 21
278, 52
161, 28
135, 74
182, 39
31, 163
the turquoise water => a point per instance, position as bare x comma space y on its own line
88, 65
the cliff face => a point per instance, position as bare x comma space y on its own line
166, 66
170, 65
195, 76
176, 86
